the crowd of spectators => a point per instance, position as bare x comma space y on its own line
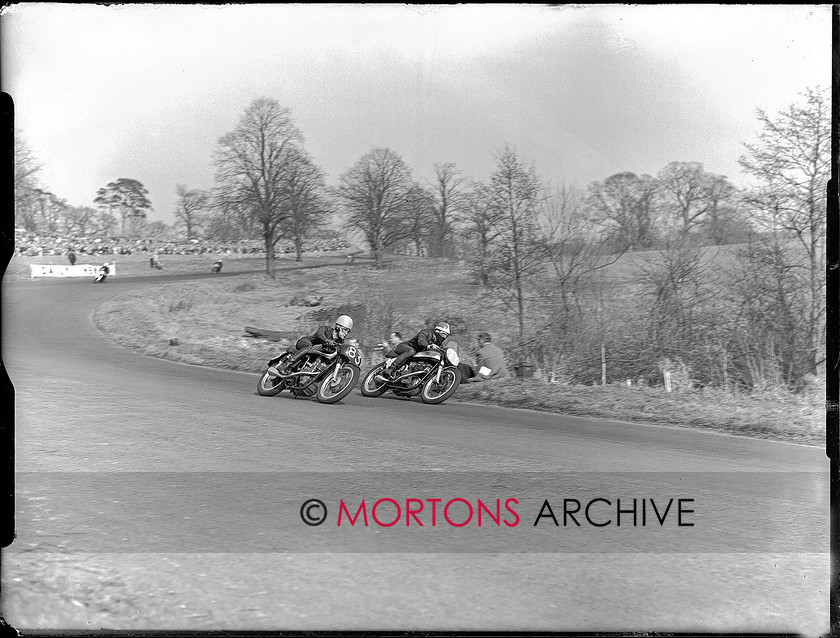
33, 245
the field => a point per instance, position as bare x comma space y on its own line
202, 322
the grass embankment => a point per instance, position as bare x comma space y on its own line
202, 322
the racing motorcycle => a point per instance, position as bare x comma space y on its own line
217, 267
101, 274
433, 374
328, 372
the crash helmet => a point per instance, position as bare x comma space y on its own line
442, 329
344, 323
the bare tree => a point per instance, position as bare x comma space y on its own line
375, 193
574, 249
26, 169
689, 193
191, 209
450, 200
228, 219
624, 204
791, 159
722, 222
252, 166
770, 342
81, 219
678, 295
51, 210
421, 219
307, 200
26, 165
482, 226
515, 255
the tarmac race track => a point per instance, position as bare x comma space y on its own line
153, 495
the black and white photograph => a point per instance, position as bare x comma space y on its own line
417, 318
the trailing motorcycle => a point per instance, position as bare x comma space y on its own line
433, 374
328, 372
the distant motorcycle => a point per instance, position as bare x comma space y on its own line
102, 274
217, 267
433, 374
328, 372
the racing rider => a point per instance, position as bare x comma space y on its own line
424, 340
325, 335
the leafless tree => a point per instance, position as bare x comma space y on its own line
421, 219
689, 193
191, 209
252, 166
770, 341
624, 204
306, 199
574, 249
678, 294
26, 165
26, 169
482, 226
81, 219
791, 159
515, 255
375, 195
450, 200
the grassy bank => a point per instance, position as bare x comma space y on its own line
203, 322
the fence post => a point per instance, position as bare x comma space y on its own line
603, 365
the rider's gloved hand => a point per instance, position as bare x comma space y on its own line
329, 342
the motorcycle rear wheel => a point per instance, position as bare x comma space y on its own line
269, 385
435, 392
372, 387
333, 392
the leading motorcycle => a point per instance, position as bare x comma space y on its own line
433, 374
101, 274
328, 372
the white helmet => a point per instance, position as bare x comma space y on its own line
443, 328
344, 322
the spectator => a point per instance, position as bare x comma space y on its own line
490, 360
71, 256
424, 340
390, 343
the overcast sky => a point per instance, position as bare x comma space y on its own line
582, 92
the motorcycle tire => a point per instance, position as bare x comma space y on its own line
329, 392
371, 387
269, 385
434, 392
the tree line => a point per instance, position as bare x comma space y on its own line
544, 251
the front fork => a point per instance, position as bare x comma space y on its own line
335, 372
437, 377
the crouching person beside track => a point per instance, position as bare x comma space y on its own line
490, 362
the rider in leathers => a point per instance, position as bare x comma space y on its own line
424, 340
325, 335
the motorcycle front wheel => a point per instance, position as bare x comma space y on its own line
371, 386
269, 385
332, 391
435, 391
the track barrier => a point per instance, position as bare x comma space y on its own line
81, 270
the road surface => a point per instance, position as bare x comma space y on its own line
155, 495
